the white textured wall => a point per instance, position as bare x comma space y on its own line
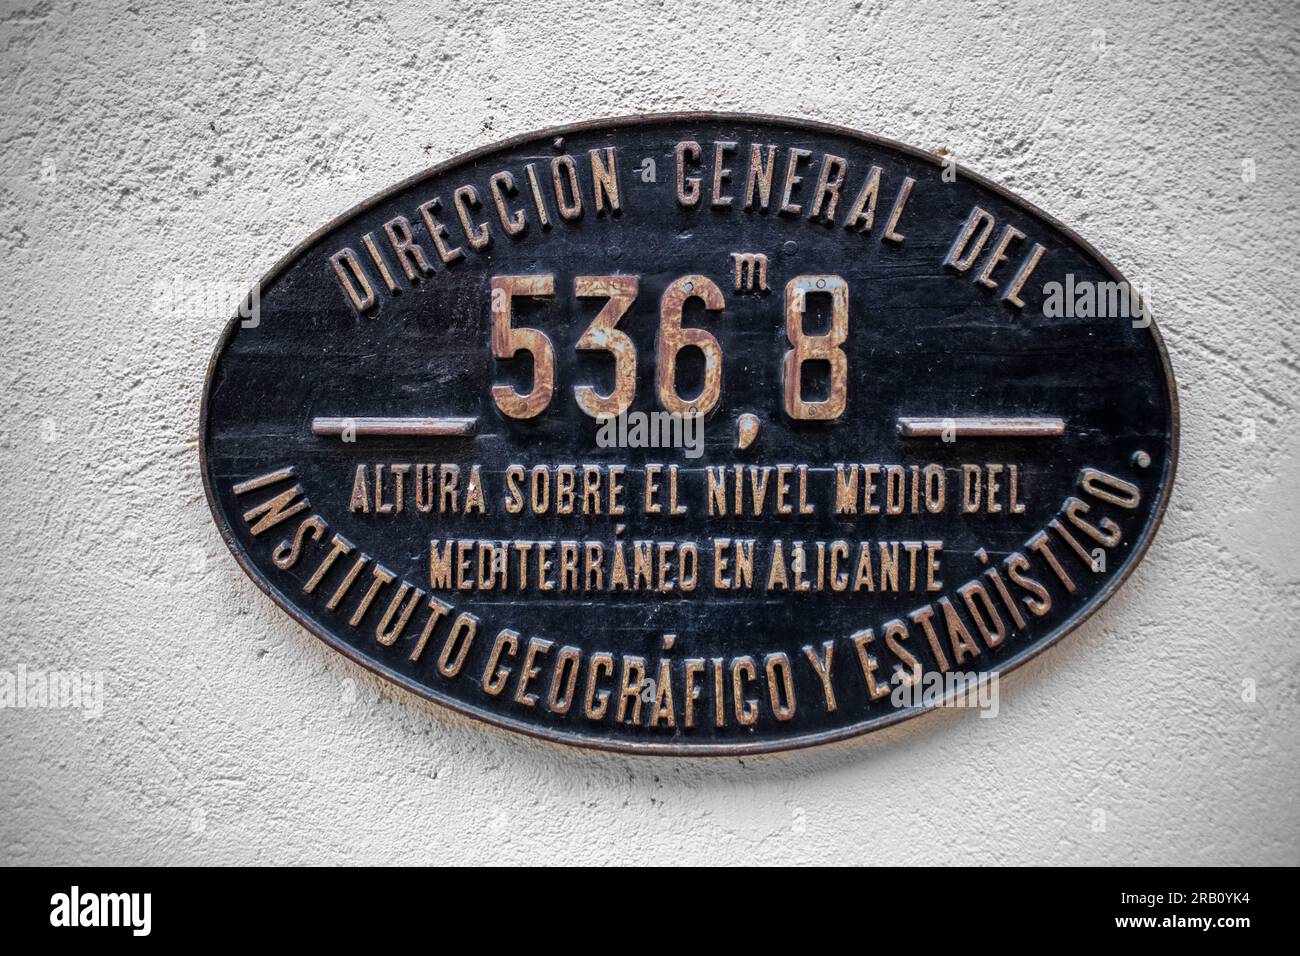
200, 141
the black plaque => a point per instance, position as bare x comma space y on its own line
910, 431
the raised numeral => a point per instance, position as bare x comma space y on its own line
508, 341
673, 338
601, 335
806, 348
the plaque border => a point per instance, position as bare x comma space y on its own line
587, 742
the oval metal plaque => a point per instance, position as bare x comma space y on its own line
691, 433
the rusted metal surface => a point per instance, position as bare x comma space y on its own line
892, 455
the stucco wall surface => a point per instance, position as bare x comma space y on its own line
154, 147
